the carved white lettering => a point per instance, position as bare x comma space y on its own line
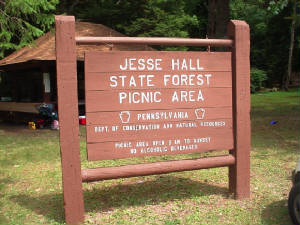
139, 97
187, 79
141, 64
131, 81
186, 64
187, 96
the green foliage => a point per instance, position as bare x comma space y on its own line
276, 6
269, 35
295, 17
152, 18
111, 13
200, 10
257, 78
277, 46
161, 19
21, 21
257, 17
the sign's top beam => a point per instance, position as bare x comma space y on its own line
155, 41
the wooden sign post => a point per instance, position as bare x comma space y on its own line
145, 103
239, 173
66, 71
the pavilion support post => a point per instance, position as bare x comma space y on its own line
14, 86
239, 174
68, 117
46, 83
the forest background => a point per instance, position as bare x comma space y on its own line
274, 26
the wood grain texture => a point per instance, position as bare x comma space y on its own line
100, 81
96, 61
226, 124
160, 115
154, 41
68, 118
20, 107
239, 174
97, 101
181, 144
89, 175
214, 128
142, 85
101, 145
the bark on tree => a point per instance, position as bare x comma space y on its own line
67, 6
291, 48
218, 18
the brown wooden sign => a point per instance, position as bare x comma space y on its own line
154, 103
157, 103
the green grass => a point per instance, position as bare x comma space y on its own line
31, 190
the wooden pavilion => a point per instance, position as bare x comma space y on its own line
28, 76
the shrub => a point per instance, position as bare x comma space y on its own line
257, 78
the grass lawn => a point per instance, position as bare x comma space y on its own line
31, 190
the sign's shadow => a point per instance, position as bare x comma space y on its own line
101, 200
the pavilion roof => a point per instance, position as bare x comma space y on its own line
43, 48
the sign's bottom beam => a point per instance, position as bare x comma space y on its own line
108, 173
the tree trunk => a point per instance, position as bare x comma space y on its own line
289, 69
67, 6
218, 18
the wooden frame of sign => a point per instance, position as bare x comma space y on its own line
141, 103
